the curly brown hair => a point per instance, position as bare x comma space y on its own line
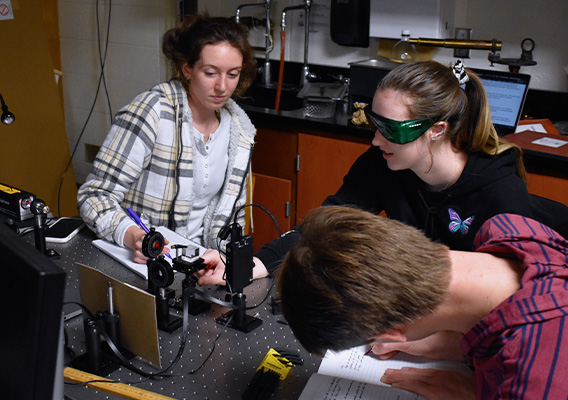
184, 43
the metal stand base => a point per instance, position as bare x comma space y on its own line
170, 326
107, 362
166, 321
237, 318
52, 254
195, 307
250, 323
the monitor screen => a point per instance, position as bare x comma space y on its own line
506, 93
32, 290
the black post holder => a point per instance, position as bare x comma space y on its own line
98, 359
237, 318
239, 275
39, 209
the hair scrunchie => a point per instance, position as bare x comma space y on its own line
458, 68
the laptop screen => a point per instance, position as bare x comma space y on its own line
506, 92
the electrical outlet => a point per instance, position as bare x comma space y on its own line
465, 34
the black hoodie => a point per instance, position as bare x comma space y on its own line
487, 186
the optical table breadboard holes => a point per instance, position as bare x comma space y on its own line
235, 357
120, 389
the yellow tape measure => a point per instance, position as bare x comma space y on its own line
120, 389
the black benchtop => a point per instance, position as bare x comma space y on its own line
339, 124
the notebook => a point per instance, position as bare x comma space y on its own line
352, 375
124, 255
506, 92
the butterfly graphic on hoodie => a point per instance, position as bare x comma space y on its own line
456, 223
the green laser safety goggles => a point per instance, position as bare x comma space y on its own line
400, 132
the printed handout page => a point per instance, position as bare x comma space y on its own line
324, 387
350, 374
354, 364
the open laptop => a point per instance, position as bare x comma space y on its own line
506, 92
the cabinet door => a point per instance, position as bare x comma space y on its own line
551, 187
274, 194
323, 164
275, 155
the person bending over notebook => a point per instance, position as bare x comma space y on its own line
356, 278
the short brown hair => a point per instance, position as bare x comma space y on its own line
354, 275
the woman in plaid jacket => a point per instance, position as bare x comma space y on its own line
179, 154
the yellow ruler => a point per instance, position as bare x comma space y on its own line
120, 389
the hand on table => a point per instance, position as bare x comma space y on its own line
432, 383
442, 345
214, 272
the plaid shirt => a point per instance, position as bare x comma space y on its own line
148, 155
519, 349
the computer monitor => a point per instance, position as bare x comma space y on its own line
506, 92
30, 340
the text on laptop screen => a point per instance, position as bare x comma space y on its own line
505, 100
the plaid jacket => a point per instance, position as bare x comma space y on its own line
147, 159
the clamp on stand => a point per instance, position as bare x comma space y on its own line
39, 209
161, 275
163, 294
189, 266
239, 275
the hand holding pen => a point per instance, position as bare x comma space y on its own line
137, 219
135, 241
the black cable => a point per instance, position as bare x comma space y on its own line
213, 348
101, 78
125, 362
171, 213
263, 209
164, 372
265, 297
102, 60
243, 184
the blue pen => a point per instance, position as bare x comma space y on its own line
137, 219
139, 222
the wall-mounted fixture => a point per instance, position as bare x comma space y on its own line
526, 59
7, 116
515, 64
266, 73
491, 45
460, 44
